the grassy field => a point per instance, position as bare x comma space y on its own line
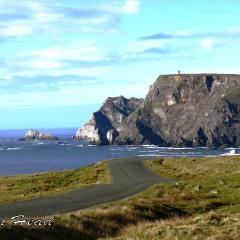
203, 204
19, 188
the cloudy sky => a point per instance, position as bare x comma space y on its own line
59, 59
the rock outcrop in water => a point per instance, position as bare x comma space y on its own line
35, 135
105, 124
179, 110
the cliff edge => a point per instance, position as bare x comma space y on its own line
104, 125
194, 110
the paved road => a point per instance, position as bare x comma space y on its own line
130, 176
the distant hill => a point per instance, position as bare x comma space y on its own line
179, 110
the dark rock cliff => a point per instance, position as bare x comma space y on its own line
179, 110
104, 125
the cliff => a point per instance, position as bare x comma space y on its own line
35, 135
183, 110
104, 125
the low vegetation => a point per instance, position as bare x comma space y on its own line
204, 203
18, 188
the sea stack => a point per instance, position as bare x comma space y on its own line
35, 135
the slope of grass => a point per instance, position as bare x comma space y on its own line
214, 179
204, 204
233, 95
208, 226
18, 188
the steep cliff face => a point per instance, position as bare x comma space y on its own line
187, 110
179, 110
104, 125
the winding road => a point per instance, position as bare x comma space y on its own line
130, 176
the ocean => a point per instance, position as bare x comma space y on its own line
19, 157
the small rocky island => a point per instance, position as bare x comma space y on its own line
35, 135
193, 110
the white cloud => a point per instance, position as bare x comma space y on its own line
4, 76
53, 69
80, 51
21, 18
234, 30
75, 59
130, 6
45, 65
208, 43
16, 31
183, 33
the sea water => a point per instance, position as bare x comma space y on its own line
22, 157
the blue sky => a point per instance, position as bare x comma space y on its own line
59, 60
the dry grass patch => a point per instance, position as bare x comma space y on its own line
209, 226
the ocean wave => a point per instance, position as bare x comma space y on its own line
232, 152
150, 155
232, 148
38, 143
149, 145
180, 148
12, 148
63, 144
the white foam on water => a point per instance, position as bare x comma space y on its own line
232, 152
63, 144
13, 148
149, 155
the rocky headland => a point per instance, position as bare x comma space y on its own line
194, 110
104, 126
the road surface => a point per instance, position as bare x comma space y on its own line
130, 176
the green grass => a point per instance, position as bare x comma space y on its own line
218, 179
19, 188
233, 95
165, 211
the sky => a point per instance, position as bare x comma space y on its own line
60, 59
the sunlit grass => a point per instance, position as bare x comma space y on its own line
18, 188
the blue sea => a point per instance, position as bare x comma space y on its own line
18, 157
